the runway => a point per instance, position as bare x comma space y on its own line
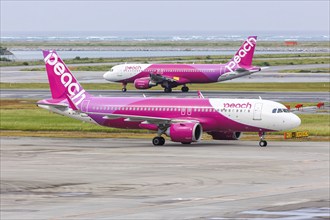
47, 178
275, 96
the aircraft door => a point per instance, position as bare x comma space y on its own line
183, 111
189, 110
84, 105
257, 111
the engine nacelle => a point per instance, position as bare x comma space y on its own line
143, 83
217, 135
185, 132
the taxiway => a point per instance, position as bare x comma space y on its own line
47, 178
275, 96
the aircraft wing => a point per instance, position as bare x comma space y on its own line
144, 119
158, 78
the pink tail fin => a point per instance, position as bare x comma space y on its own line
61, 81
243, 57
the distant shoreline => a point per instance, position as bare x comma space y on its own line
313, 46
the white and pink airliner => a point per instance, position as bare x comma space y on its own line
182, 119
145, 76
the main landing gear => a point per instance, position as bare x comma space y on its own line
158, 141
167, 89
185, 89
262, 142
124, 87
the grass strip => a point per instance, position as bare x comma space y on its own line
314, 70
225, 86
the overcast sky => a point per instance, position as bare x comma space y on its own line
223, 16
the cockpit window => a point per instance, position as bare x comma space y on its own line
280, 110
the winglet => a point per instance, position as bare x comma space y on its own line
200, 95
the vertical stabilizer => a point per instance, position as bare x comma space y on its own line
243, 57
61, 81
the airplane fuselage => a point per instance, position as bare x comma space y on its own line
181, 73
249, 115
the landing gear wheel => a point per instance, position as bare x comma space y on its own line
185, 142
158, 141
263, 143
168, 90
123, 89
185, 89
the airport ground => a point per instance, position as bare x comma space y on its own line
59, 178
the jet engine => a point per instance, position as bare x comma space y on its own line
217, 135
144, 83
186, 132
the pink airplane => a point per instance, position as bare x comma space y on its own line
145, 76
182, 119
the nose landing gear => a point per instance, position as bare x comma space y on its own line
262, 142
124, 87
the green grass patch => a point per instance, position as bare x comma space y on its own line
314, 70
283, 87
37, 119
315, 124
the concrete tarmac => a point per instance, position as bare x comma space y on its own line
275, 96
48, 178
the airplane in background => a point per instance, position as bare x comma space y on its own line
145, 76
182, 119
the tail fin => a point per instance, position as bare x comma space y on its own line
61, 81
243, 57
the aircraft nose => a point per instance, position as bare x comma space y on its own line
295, 121
107, 76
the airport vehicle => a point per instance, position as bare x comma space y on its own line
145, 76
181, 119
